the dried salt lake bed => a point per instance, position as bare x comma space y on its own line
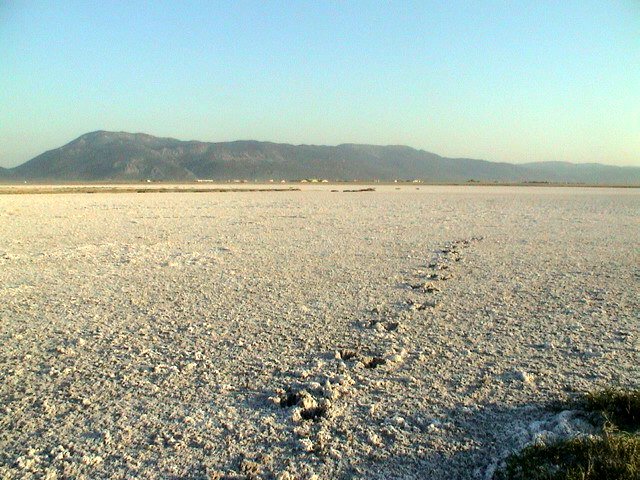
411, 333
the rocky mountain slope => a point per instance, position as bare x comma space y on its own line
120, 156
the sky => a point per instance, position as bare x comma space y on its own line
510, 81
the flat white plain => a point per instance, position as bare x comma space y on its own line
153, 335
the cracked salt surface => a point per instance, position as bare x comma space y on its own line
280, 334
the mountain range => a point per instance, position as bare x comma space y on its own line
119, 156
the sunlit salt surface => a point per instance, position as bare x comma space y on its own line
409, 332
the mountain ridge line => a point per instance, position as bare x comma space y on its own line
122, 156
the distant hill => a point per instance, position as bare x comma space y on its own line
586, 172
120, 156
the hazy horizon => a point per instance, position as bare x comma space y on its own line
517, 83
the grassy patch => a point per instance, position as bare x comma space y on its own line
619, 408
612, 456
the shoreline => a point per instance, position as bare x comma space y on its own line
201, 187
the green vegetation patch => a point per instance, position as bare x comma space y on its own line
612, 456
619, 408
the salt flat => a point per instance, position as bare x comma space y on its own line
402, 333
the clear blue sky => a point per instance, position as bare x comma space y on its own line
501, 80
